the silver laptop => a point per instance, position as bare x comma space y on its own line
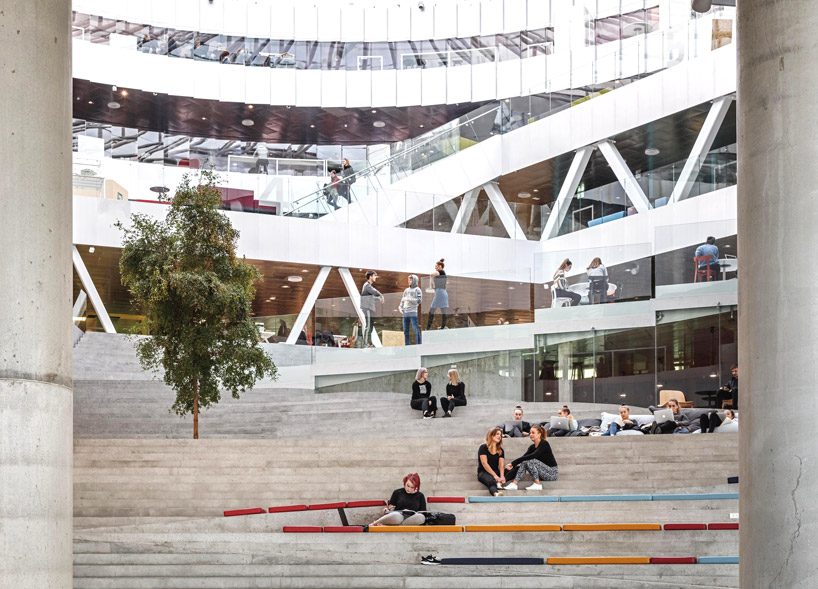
559, 423
663, 415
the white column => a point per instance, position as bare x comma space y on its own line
465, 210
88, 285
704, 142
36, 413
504, 212
309, 303
623, 173
355, 297
778, 312
567, 191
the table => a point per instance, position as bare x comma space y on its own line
710, 397
582, 288
728, 265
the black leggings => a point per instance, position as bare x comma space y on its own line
567, 294
488, 481
431, 318
449, 406
426, 404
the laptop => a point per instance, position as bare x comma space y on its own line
559, 423
663, 415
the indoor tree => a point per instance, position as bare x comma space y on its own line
196, 295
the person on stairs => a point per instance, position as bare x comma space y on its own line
422, 399
491, 461
621, 423
538, 463
517, 428
455, 393
405, 505
679, 425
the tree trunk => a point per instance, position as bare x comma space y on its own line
196, 410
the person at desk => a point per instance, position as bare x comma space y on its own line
708, 248
261, 158
561, 284
597, 282
730, 389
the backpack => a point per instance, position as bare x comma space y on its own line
436, 518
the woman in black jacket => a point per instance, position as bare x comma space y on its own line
538, 462
406, 505
455, 393
422, 399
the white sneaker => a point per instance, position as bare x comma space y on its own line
534, 487
512, 486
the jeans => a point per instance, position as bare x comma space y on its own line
367, 335
612, 430
488, 481
411, 321
567, 294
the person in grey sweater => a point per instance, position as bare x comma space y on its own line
409, 304
368, 295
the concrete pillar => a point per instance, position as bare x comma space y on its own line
35, 312
778, 307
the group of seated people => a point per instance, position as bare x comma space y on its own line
671, 420
422, 399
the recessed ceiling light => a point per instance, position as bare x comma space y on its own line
305, 271
536, 198
523, 194
510, 288
250, 106
374, 111
90, 102
536, 190
345, 125
378, 124
271, 299
499, 302
79, 97
248, 122
421, 125
285, 286
312, 126
114, 104
294, 278
92, 249
204, 118
652, 151
124, 93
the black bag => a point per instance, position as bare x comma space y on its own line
436, 518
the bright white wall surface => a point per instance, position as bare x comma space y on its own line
356, 245
573, 64
636, 104
329, 20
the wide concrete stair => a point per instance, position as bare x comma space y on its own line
148, 511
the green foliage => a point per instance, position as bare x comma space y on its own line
196, 294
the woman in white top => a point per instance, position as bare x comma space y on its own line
597, 282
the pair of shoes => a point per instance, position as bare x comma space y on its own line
534, 487
499, 493
430, 559
426, 415
512, 486
447, 414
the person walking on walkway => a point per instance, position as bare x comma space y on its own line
441, 298
408, 307
369, 294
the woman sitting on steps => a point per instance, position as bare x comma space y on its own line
405, 505
490, 459
538, 462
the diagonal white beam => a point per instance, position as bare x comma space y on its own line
355, 297
79, 306
309, 303
503, 210
703, 144
623, 173
567, 191
465, 210
88, 285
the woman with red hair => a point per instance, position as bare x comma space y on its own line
405, 505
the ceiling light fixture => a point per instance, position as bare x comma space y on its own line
285, 286
374, 111
90, 102
651, 151
248, 122
312, 126
113, 88
304, 271
92, 249
250, 106
204, 118
124, 93
345, 125
379, 124
294, 278
523, 194
114, 104
536, 190
421, 125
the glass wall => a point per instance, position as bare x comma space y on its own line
688, 350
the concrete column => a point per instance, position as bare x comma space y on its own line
35, 313
778, 309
